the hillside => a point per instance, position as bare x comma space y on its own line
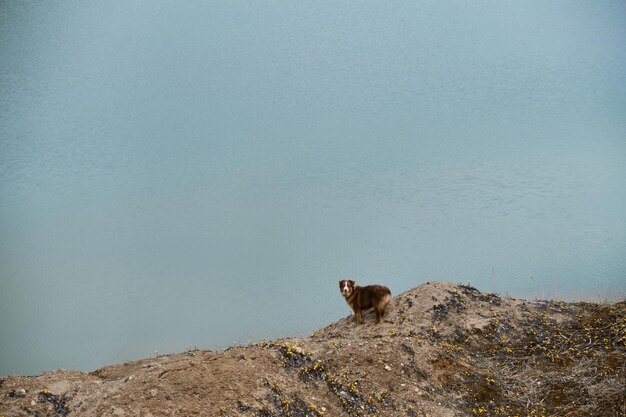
442, 350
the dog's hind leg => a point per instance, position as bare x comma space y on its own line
379, 314
381, 308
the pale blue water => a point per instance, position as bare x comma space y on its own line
204, 172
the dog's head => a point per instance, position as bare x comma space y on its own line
346, 286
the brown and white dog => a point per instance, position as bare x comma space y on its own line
364, 298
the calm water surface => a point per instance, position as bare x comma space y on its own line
203, 173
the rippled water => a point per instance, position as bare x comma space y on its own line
202, 174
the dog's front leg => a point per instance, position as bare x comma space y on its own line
358, 316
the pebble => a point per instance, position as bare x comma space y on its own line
153, 393
387, 368
21, 392
118, 412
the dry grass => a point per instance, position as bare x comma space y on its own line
541, 366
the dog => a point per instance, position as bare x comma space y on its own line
364, 298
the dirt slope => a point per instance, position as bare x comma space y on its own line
442, 350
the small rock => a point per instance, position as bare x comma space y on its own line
129, 378
343, 394
21, 392
58, 388
32, 402
118, 412
152, 393
403, 385
387, 368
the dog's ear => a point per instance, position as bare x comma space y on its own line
352, 282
